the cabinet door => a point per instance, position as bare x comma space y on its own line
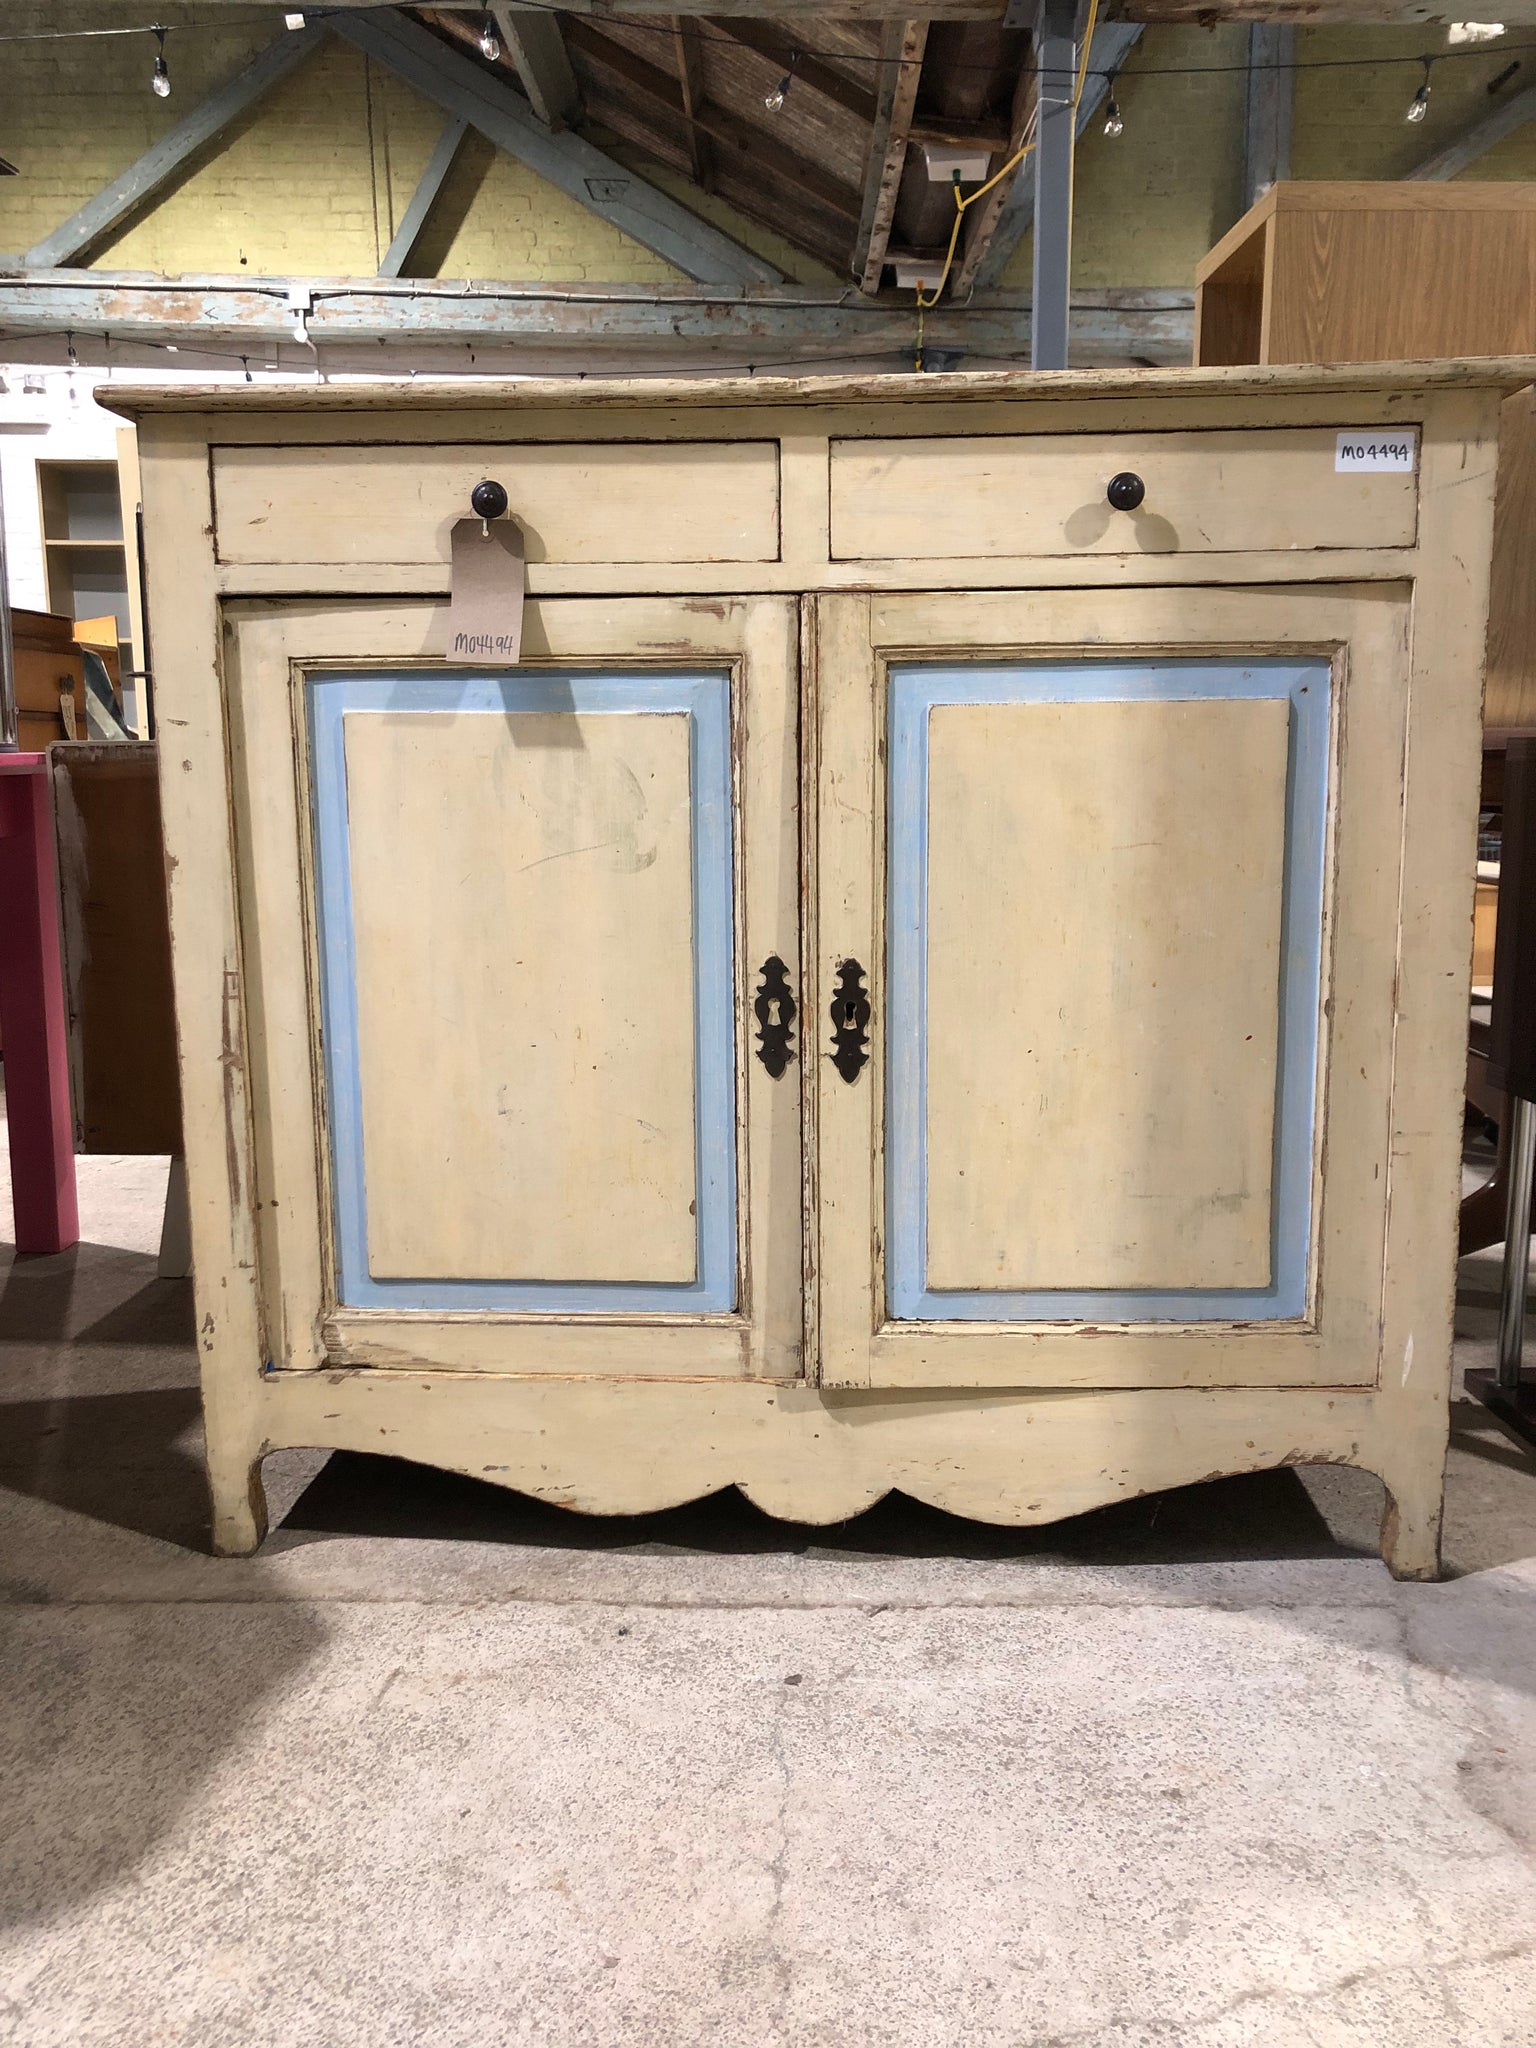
504, 933
1117, 874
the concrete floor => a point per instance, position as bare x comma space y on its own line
444, 1767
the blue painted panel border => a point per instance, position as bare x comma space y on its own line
914, 689
706, 700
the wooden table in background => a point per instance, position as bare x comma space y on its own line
32, 1012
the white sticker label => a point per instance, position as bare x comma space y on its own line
1370, 448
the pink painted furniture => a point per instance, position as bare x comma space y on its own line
32, 1012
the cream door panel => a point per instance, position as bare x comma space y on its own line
530, 909
1122, 874
509, 871
1072, 1139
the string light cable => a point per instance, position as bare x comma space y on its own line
875, 351
969, 199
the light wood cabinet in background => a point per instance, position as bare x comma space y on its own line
1321, 272
932, 971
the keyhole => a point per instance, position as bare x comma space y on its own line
773, 1010
850, 1015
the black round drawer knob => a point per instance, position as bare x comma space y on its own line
1125, 491
489, 500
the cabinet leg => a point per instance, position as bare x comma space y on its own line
1410, 1529
176, 1226
239, 1502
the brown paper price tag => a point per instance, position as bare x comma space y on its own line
485, 609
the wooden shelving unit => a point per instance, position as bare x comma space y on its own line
86, 554
1351, 273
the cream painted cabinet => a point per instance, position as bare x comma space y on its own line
929, 973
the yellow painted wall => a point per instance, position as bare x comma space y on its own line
1349, 119
1150, 202
313, 180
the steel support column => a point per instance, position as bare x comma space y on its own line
1056, 64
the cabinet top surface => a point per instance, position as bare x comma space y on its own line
524, 394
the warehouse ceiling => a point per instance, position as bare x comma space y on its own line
835, 134
837, 166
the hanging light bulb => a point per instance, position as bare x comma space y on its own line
490, 42
780, 93
1114, 122
160, 77
1418, 106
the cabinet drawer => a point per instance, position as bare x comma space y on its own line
1044, 494
661, 501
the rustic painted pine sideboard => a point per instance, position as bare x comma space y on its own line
942, 967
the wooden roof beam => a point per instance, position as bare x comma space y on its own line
461, 85
769, 41
1202, 13
811, 230
397, 259
991, 136
246, 314
690, 76
1314, 13
733, 138
901, 69
810, 11
1480, 137
534, 44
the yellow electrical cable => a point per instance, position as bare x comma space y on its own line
1082, 69
926, 305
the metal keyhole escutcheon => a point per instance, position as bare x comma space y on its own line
850, 1020
774, 1008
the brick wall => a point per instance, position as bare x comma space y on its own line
1150, 202
311, 182
1349, 122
